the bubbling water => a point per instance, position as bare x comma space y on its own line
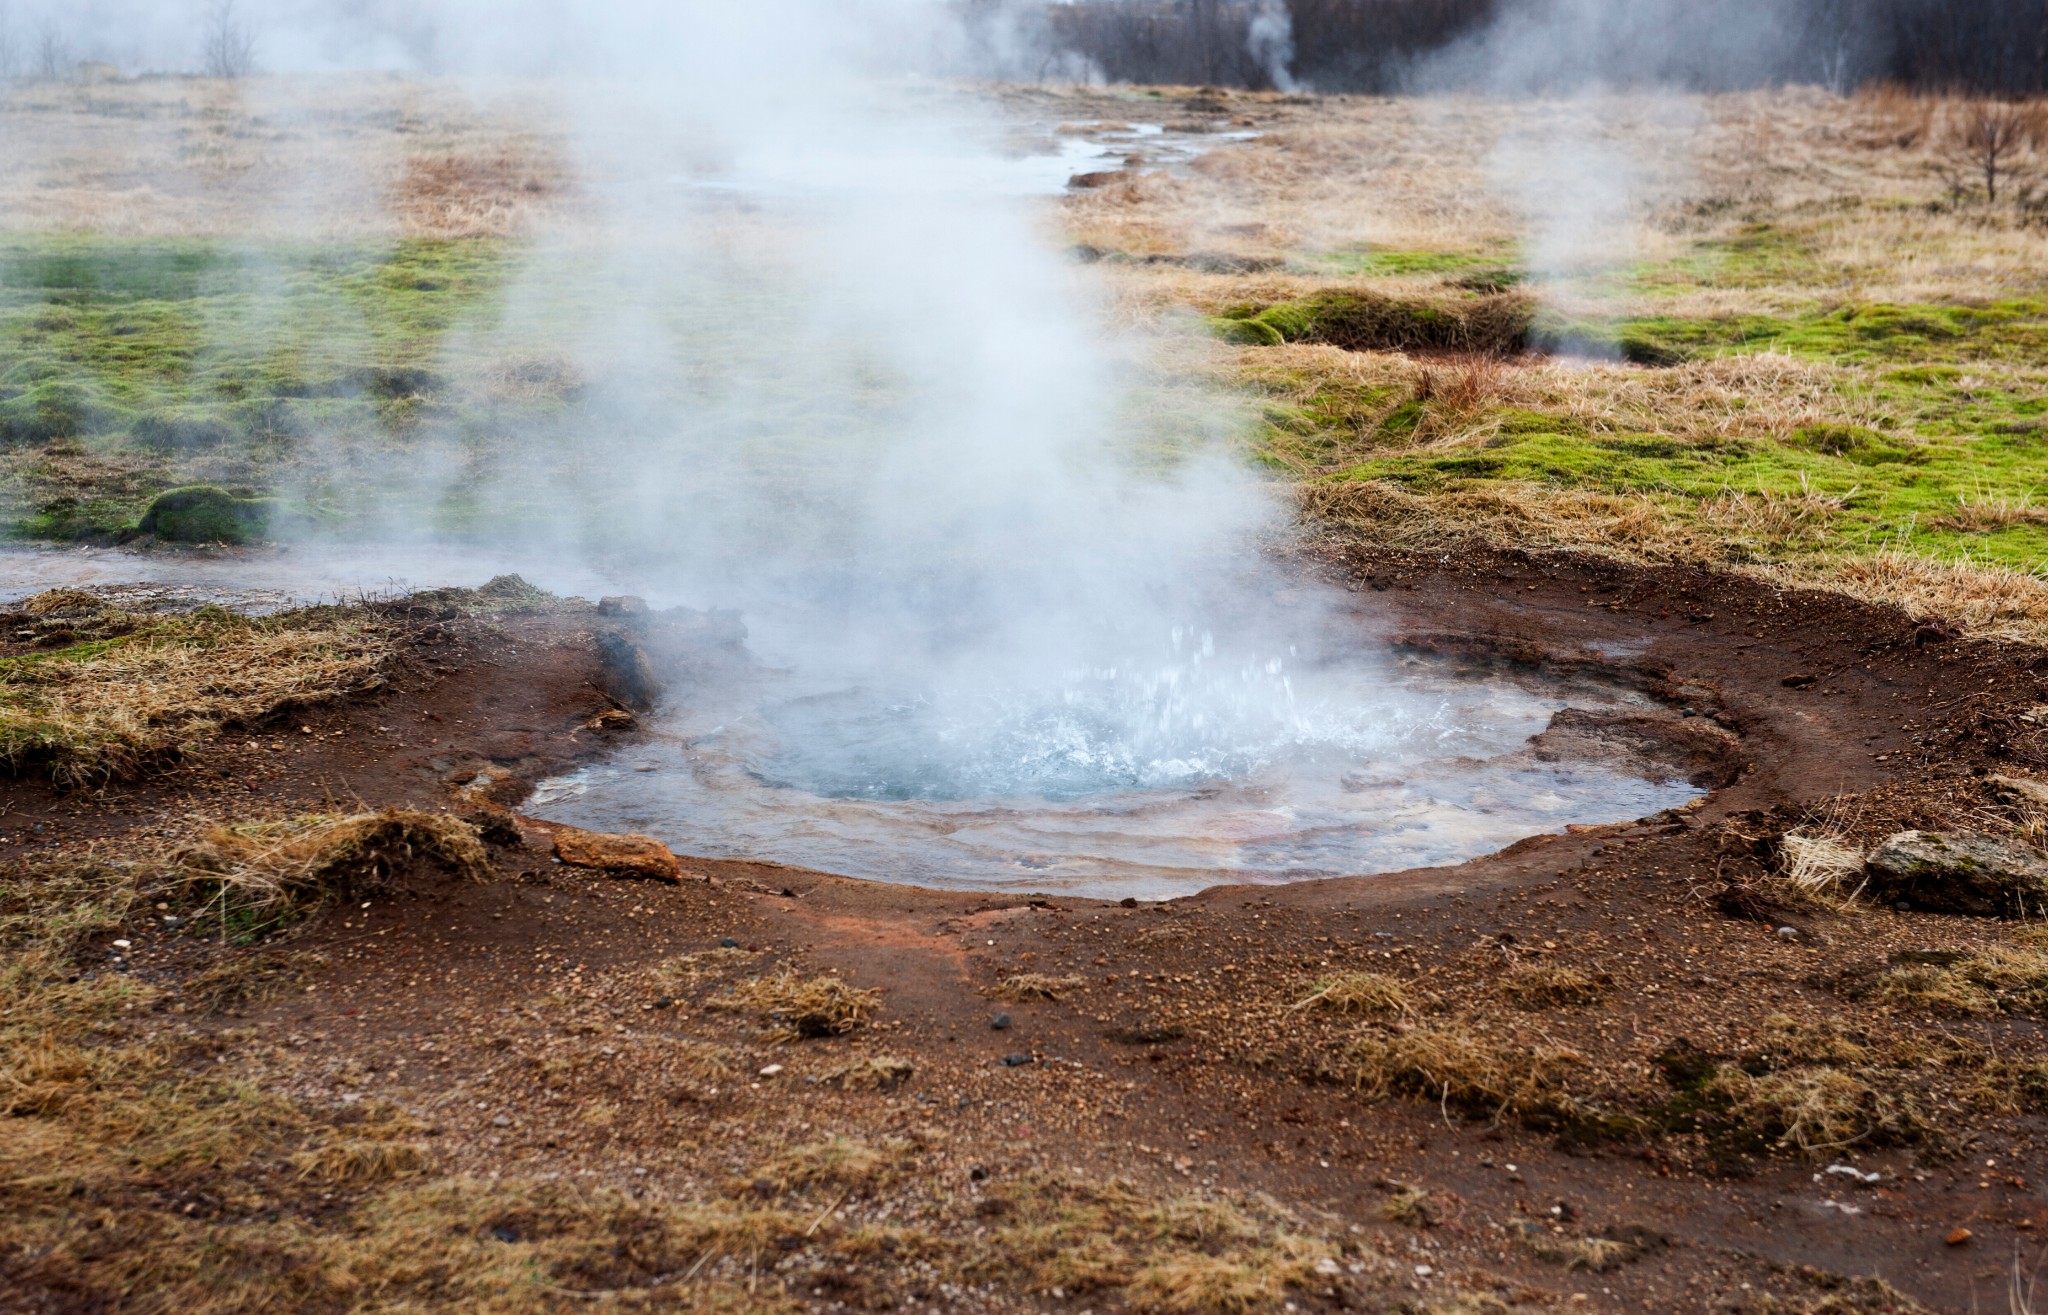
1147, 779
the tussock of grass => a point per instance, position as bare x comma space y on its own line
1036, 986
360, 1160
881, 1073
1822, 867
1551, 986
1786, 1042
111, 709
1816, 1110
686, 972
245, 978
1373, 994
838, 1162
801, 1007
2009, 978
256, 874
1179, 1254
1591, 1253
1463, 1069
1407, 1204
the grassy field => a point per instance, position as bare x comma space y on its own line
1792, 339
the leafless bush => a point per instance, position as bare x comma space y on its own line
228, 45
52, 54
1991, 142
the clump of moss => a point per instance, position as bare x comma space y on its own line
202, 513
1494, 323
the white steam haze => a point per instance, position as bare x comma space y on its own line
801, 343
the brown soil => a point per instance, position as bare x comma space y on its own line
520, 1018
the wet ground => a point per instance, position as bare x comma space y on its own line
1180, 1058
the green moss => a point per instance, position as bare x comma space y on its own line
204, 514
1372, 262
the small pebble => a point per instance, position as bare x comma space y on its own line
1788, 933
1001, 1022
728, 943
977, 1173
1014, 1061
771, 1070
122, 945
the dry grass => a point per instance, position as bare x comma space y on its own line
880, 1073
111, 707
1035, 986
2010, 978
1461, 1068
1591, 1253
1408, 1204
1817, 1110
1822, 867
1182, 1255
1372, 994
1551, 986
799, 1007
253, 875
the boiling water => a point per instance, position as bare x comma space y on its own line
1152, 782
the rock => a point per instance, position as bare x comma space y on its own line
1972, 874
1001, 1022
626, 674
1957, 1236
1797, 680
1098, 178
630, 855
1017, 1061
2018, 790
622, 605
728, 943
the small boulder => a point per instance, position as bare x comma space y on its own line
1973, 874
626, 856
626, 674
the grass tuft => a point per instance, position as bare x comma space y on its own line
801, 1007
253, 876
1372, 994
112, 708
1551, 986
1035, 986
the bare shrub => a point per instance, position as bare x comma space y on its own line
228, 43
1991, 141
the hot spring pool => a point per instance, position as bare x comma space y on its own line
1152, 781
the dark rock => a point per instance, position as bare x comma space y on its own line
1001, 1022
1128, 902
1798, 680
1099, 178
1971, 874
626, 674
728, 943
1016, 1061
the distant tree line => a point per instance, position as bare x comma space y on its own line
1985, 46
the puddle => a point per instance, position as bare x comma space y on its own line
271, 579
1150, 783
